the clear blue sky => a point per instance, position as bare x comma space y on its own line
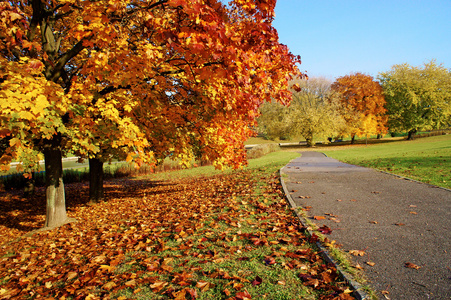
335, 38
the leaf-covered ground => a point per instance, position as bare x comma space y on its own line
229, 236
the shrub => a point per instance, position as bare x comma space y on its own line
262, 150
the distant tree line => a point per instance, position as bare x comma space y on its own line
405, 99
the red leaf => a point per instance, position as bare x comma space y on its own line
257, 281
325, 230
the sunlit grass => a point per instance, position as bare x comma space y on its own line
426, 159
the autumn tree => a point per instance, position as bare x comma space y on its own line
140, 80
363, 102
418, 98
313, 113
273, 121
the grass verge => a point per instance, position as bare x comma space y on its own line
426, 159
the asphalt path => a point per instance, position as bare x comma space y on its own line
392, 221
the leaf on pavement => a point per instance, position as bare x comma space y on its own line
357, 252
412, 266
325, 230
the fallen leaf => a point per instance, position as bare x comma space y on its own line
325, 230
357, 252
257, 281
130, 283
243, 296
203, 285
358, 266
374, 222
281, 282
411, 266
400, 224
71, 275
370, 263
158, 285
413, 213
109, 285
319, 217
269, 260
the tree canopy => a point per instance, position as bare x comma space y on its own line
141, 80
313, 113
418, 98
363, 100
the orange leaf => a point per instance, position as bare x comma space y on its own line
412, 266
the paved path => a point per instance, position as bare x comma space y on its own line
394, 221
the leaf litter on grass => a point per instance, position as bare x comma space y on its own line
220, 237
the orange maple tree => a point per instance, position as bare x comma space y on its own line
140, 80
364, 104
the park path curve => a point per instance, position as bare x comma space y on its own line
393, 220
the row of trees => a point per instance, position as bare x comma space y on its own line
405, 99
139, 80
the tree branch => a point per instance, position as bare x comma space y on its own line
36, 18
56, 71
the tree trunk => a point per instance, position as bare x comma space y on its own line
29, 188
353, 140
411, 135
310, 142
56, 201
95, 180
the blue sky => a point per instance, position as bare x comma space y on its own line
335, 38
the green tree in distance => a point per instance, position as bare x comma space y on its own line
418, 98
314, 113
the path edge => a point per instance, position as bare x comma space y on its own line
358, 292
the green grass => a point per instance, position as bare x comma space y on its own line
272, 159
426, 159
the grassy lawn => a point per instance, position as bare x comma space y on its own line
189, 234
424, 159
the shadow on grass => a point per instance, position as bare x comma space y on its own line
20, 214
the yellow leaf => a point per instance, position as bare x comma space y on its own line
71, 275
14, 142
106, 267
26, 115
109, 285
131, 283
